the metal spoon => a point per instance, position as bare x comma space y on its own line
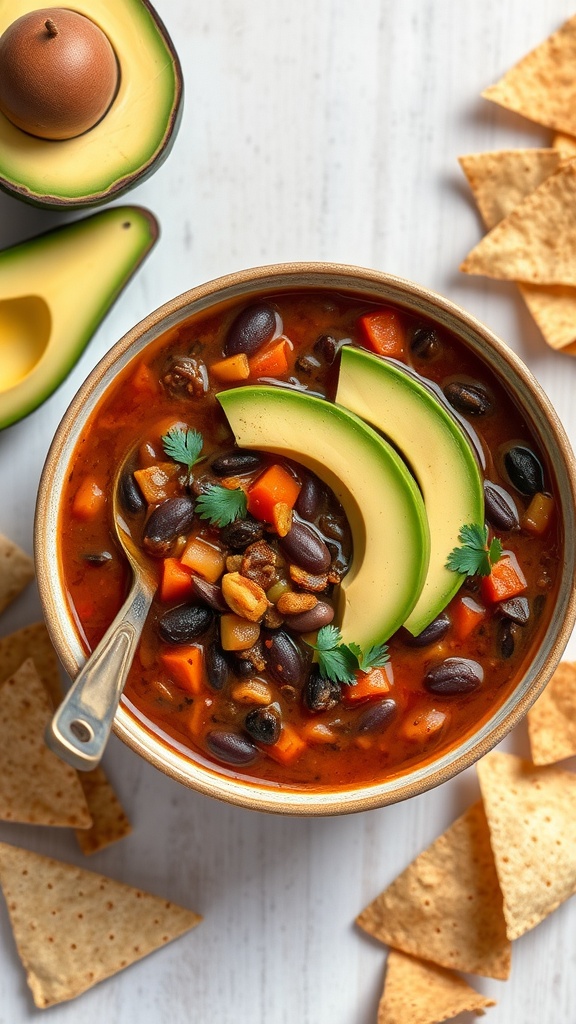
81, 726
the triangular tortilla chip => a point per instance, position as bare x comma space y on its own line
109, 820
417, 992
501, 179
447, 905
565, 145
16, 571
32, 642
531, 814
36, 787
536, 242
552, 719
541, 85
73, 928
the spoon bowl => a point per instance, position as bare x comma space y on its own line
81, 726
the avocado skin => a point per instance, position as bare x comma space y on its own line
123, 182
47, 249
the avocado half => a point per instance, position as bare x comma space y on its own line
381, 501
131, 140
54, 291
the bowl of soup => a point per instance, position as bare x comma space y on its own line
359, 508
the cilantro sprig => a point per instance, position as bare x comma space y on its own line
183, 445
339, 662
474, 557
222, 505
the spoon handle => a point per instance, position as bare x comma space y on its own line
80, 728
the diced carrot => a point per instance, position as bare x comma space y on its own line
384, 333
275, 484
176, 580
231, 368
158, 482
89, 499
288, 746
369, 685
144, 380
317, 732
197, 715
204, 558
466, 615
185, 666
538, 515
271, 361
424, 726
237, 634
506, 580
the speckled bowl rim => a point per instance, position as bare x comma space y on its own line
377, 286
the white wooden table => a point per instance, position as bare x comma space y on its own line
317, 131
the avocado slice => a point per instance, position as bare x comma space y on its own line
132, 138
438, 453
382, 503
54, 291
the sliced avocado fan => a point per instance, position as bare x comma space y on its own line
54, 291
439, 455
383, 505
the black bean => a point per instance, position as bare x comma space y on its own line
98, 558
284, 658
242, 532
328, 347
377, 716
210, 593
243, 667
333, 526
499, 507
231, 747
130, 495
453, 677
167, 522
321, 694
524, 470
515, 608
306, 622
304, 546
425, 343
217, 668
251, 329
506, 638
236, 463
263, 724
471, 399
433, 633
310, 498
308, 364
185, 623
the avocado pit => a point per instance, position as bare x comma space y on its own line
58, 73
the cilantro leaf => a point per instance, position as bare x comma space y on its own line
374, 657
183, 445
474, 557
339, 661
221, 505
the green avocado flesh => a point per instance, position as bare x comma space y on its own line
132, 138
54, 291
438, 453
382, 503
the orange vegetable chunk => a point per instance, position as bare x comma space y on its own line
466, 614
231, 368
144, 380
176, 580
88, 500
506, 580
204, 558
537, 516
158, 482
371, 684
288, 746
383, 333
185, 666
271, 361
237, 634
274, 485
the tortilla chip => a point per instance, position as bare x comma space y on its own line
531, 814
565, 145
447, 905
73, 928
16, 571
36, 787
536, 242
541, 85
32, 642
552, 719
501, 179
109, 820
416, 992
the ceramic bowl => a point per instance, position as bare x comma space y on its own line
524, 390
